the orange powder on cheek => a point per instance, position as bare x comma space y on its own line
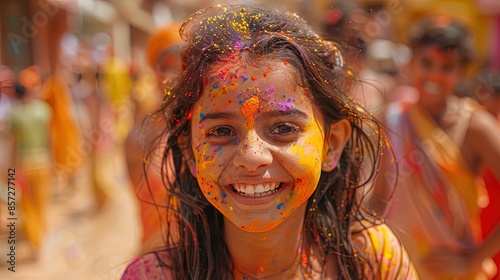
249, 108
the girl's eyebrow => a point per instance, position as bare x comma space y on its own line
279, 113
217, 116
263, 115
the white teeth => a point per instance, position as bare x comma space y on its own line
259, 189
256, 190
249, 190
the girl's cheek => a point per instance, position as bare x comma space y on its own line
209, 159
310, 151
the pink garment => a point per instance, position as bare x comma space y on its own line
381, 248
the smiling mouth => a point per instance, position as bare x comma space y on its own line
257, 190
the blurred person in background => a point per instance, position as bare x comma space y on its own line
65, 133
345, 22
96, 124
115, 83
378, 77
441, 144
487, 93
7, 102
7, 94
32, 156
163, 57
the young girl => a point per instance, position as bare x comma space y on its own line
267, 151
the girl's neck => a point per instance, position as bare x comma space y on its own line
266, 255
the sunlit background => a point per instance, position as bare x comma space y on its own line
92, 232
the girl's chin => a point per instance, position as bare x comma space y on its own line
258, 227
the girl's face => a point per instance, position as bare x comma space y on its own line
258, 143
435, 73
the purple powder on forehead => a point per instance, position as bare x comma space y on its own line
269, 89
285, 105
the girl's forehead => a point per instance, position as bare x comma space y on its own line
269, 84
251, 77
254, 69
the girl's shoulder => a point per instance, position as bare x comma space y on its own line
152, 265
383, 251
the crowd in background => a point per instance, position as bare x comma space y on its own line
59, 129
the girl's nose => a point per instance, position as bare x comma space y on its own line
253, 153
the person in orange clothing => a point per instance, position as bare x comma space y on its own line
487, 93
162, 52
65, 134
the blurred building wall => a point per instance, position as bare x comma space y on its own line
31, 29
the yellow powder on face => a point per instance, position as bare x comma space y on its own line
249, 108
315, 140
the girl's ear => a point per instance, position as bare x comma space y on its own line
337, 136
187, 153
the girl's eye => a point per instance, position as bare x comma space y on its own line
220, 132
285, 129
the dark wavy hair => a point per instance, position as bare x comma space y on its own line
444, 32
195, 246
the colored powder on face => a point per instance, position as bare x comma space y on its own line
217, 90
285, 105
270, 89
249, 108
214, 87
217, 148
280, 205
